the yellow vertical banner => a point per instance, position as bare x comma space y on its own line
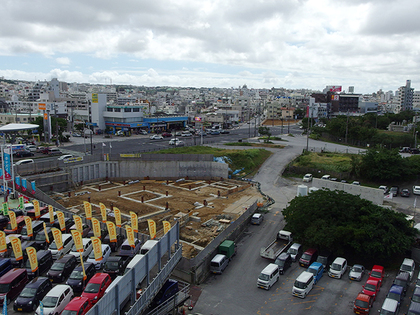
57, 238
112, 231
77, 238
17, 247
130, 235
88, 210
36, 207
33, 260
166, 226
51, 213
46, 234
103, 212
3, 244
83, 266
134, 221
152, 228
96, 225
29, 230
12, 218
117, 214
97, 248
78, 222
61, 221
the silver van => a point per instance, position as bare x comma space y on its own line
257, 218
218, 264
268, 276
303, 284
390, 307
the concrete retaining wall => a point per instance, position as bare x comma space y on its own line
375, 195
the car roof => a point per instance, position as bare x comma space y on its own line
75, 303
58, 290
408, 261
310, 250
395, 288
339, 260
363, 297
283, 256
403, 276
316, 265
11, 274
378, 268
66, 258
304, 276
390, 304
85, 264
296, 245
98, 277
374, 281
35, 283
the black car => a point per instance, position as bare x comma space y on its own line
115, 266
394, 190
405, 192
32, 293
62, 268
76, 278
104, 233
68, 223
45, 262
284, 261
23, 153
41, 240
114, 245
21, 263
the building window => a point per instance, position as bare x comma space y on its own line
127, 110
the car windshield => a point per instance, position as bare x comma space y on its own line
126, 247
394, 296
300, 285
313, 271
280, 263
400, 282
306, 256
24, 231
322, 260
53, 245
111, 265
76, 275
49, 301
356, 269
92, 288
264, 277
40, 237
406, 268
67, 312
375, 274
292, 251
416, 298
362, 304
4, 287
370, 287
57, 266
336, 267
28, 293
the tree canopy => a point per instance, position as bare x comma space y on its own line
348, 226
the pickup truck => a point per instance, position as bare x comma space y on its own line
282, 242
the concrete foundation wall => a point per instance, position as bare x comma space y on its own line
375, 195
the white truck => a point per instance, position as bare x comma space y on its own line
281, 244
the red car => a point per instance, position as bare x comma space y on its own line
362, 304
96, 287
377, 273
166, 134
79, 305
371, 288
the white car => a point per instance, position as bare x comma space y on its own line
338, 268
416, 190
176, 142
87, 249
385, 188
156, 137
106, 251
65, 157
186, 134
326, 177
307, 178
31, 148
56, 300
408, 266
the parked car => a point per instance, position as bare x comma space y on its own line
156, 137
416, 190
396, 292
224, 131
67, 245
362, 304
45, 262
402, 279
356, 272
28, 300
338, 268
23, 153
114, 245
186, 134
11, 284
408, 265
106, 251
284, 261
394, 190
326, 177
371, 288
85, 229
78, 305
96, 287
390, 307
87, 248
115, 266
41, 239
104, 233
384, 188
215, 132
325, 258
317, 269
308, 257
62, 268
166, 134
65, 157
75, 279
56, 300
127, 251
307, 178
405, 192
377, 272
416, 295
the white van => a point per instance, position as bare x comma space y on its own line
257, 218
56, 300
268, 276
148, 245
303, 284
338, 268
87, 248
218, 263
67, 245
25, 161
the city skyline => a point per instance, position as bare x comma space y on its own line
294, 44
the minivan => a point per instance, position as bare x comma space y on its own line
45, 262
284, 261
25, 161
325, 258
32, 294
56, 300
338, 268
20, 263
308, 257
257, 218
219, 263
11, 284
317, 269
20, 223
408, 265
148, 245
62, 268
87, 248
76, 277
402, 279
37, 226
127, 251
54, 151
416, 295
396, 292
115, 266
295, 251
268, 276
389, 307
67, 245
362, 304
303, 284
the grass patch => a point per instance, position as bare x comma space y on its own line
239, 144
329, 162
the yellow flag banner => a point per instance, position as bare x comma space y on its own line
88, 210
130, 235
134, 221
17, 247
29, 230
83, 266
96, 227
46, 234
77, 238
12, 218
3, 245
51, 213
166, 226
97, 248
112, 231
117, 214
60, 216
57, 238
103, 212
78, 222
33, 260
152, 228
36, 207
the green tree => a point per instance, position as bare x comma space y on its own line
265, 131
348, 226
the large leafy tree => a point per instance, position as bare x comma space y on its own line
348, 226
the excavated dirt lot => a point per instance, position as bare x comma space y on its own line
198, 205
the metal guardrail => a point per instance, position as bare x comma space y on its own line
175, 301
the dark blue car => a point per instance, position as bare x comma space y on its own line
5, 265
76, 277
396, 292
32, 293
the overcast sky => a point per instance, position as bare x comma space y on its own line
368, 44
